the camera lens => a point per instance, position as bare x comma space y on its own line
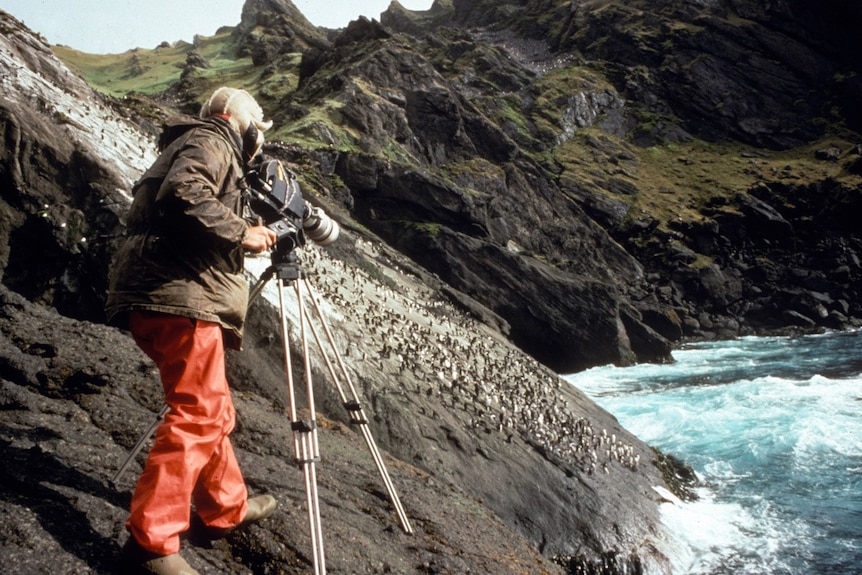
320, 228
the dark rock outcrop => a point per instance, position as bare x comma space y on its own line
270, 28
483, 217
768, 76
522, 203
760, 73
501, 466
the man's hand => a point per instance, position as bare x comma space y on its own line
259, 238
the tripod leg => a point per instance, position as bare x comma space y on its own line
138, 446
260, 284
313, 504
354, 409
305, 445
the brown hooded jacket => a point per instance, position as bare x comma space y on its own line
183, 255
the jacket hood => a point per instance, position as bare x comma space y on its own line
176, 126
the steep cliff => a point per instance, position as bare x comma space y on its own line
500, 465
586, 182
716, 142
606, 179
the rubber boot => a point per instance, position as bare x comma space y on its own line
259, 507
136, 560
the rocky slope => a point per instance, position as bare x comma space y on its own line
502, 468
588, 182
716, 142
605, 177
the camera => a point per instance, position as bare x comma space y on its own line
274, 194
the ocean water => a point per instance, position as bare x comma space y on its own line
773, 429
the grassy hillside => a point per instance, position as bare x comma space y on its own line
666, 182
674, 182
153, 71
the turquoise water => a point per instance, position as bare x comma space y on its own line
773, 428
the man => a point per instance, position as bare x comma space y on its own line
178, 285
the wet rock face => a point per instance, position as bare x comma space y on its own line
75, 397
67, 161
60, 211
485, 446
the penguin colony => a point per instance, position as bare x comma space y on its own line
434, 349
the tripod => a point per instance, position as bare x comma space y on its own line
286, 269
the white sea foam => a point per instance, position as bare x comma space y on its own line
773, 428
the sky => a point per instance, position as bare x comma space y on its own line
114, 26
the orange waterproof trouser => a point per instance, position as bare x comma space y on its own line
191, 458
